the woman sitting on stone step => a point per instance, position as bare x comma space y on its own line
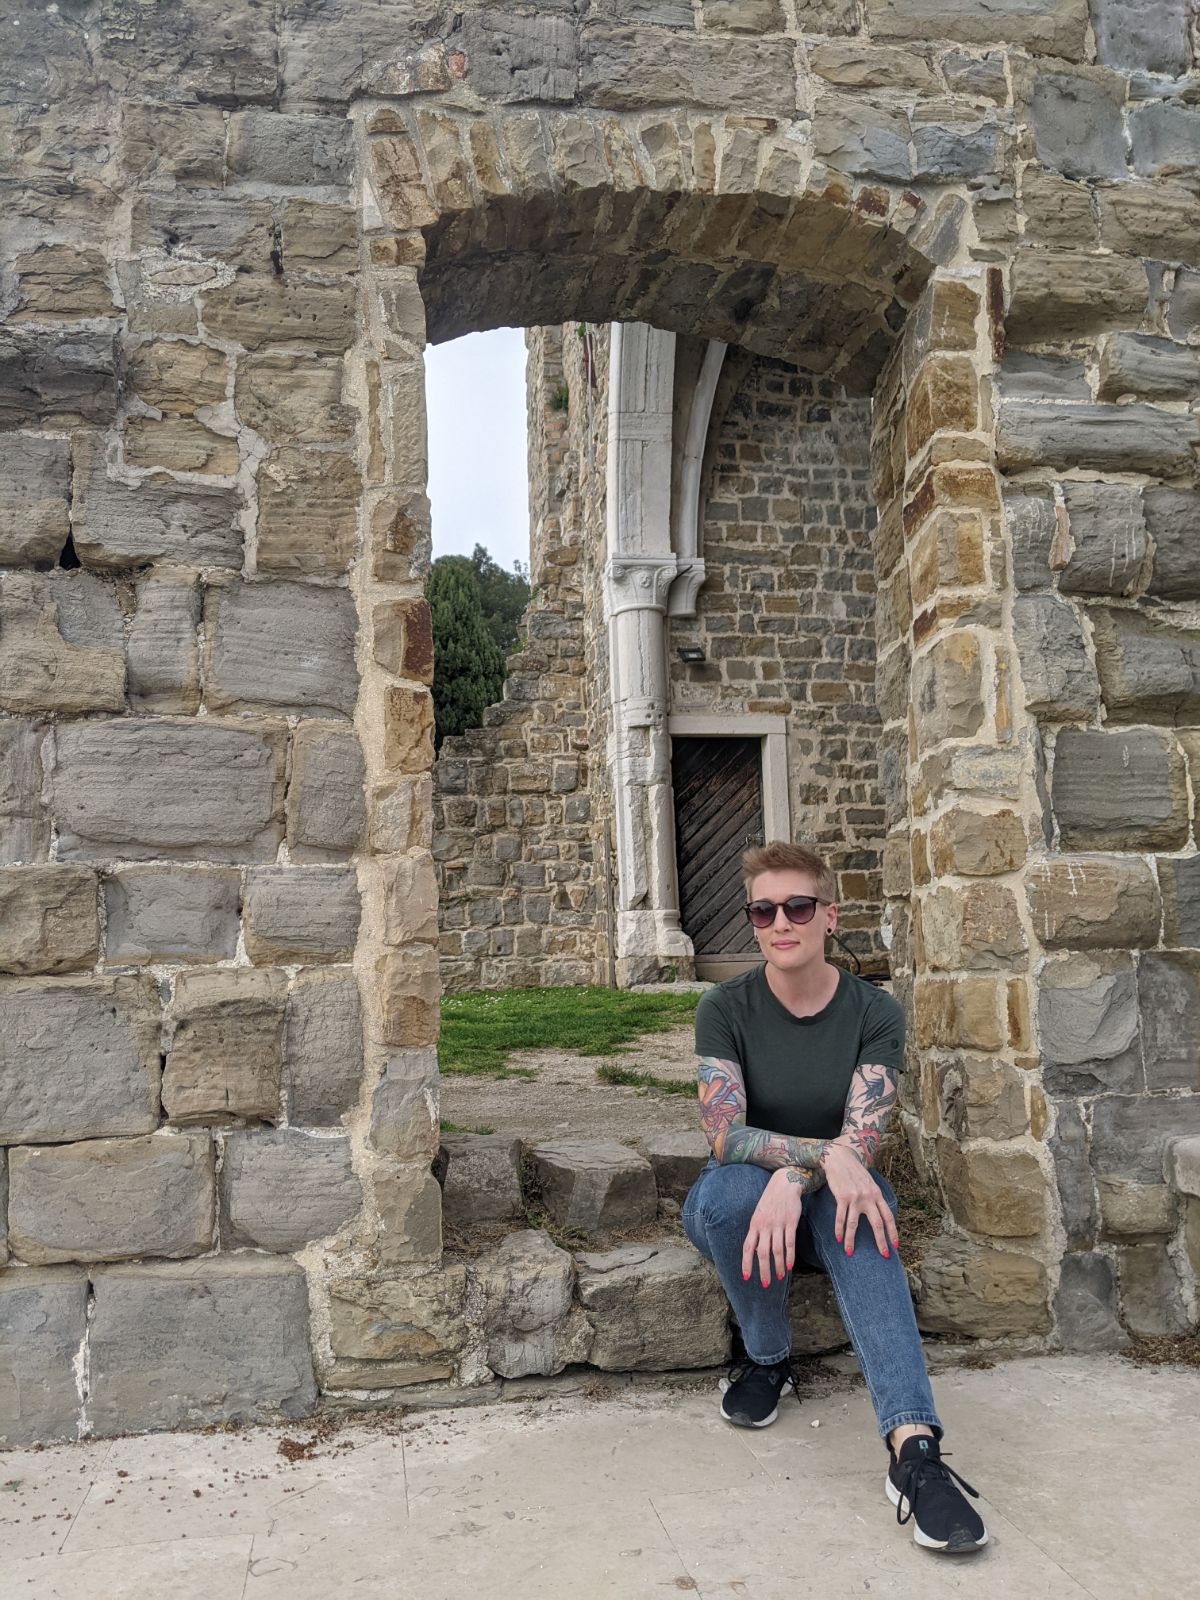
797, 1070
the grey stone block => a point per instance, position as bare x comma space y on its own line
1183, 308
1137, 1210
1166, 139
171, 914
532, 1325
1088, 1022
48, 920
1179, 879
163, 653
1130, 1132
35, 482
192, 1343
61, 643
24, 820
116, 525
1085, 1307
976, 77
404, 1107
1151, 1294
942, 154
1108, 538
57, 380
1119, 790
1058, 28
1032, 377
628, 69
862, 139
1078, 126
511, 57
1073, 1175
43, 1318
1145, 368
281, 1189
298, 913
1173, 522
1149, 672
137, 788
1169, 995
653, 1308
323, 1048
1181, 1165
326, 803
234, 230
677, 1160
595, 1186
1032, 525
1060, 680
1136, 36
112, 1199
1133, 438
271, 147
219, 52
226, 1057
483, 1179
79, 1058
285, 646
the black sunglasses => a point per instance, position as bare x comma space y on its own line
797, 908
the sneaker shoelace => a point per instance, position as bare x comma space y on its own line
914, 1475
744, 1367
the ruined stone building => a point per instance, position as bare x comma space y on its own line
863, 388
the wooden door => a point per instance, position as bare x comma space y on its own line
718, 813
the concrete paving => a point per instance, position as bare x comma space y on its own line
1087, 1468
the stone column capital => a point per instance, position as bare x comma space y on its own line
638, 583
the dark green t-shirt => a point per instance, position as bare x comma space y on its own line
797, 1070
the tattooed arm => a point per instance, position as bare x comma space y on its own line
868, 1107
723, 1116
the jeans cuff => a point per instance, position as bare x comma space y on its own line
770, 1361
904, 1418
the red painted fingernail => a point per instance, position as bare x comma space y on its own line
885, 1253
766, 1283
850, 1251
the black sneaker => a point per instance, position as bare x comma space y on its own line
922, 1487
750, 1395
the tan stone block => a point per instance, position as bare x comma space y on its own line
964, 1012
1160, 220
398, 311
56, 283
409, 1319
983, 770
226, 1059
485, 158
176, 377
60, 643
1095, 901
408, 994
1068, 294
409, 1202
258, 312
181, 444
319, 237
400, 815
918, 855
993, 1189
397, 250
410, 899
1136, 1210
944, 397
854, 64
402, 386
893, 610
948, 554
403, 634
48, 919
408, 730
1017, 1014
948, 689
977, 843
1059, 212
181, 143
307, 511
966, 1288
293, 399
982, 1098
952, 486
972, 927
897, 866
398, 182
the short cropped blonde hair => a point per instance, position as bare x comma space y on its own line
779, 856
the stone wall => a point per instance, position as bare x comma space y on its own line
229, 232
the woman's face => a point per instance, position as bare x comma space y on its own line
791, 946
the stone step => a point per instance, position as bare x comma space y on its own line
653, 1307
595, 1186
482, 1181
677, 1160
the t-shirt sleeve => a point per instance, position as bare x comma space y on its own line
882, 1042
714, 1035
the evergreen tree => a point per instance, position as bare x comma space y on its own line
503, 596
468, 664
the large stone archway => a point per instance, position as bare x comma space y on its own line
230, 241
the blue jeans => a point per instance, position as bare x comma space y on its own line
871, 1289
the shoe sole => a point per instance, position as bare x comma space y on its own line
749, 1422
960, 1545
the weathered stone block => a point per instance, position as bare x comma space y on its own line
24, 822
180, 444
947, 689
1032, 523
1115, 791
48, 920
1091, 901
35, 480
1057, 29
408, 730
1136, 1210
61, 643
1181, 1165
1133, 438
178, 378
198, 1342
318, 236
533, 1328
1059, 677
1165, 139
966, 1288
1077, 124
65, 380
221, 230
1136, 366
1173, 521
292, 399
409, 1203
510, 57
79, 1058
595, 1186
326, 804
417, 1321
862, 139
403, 639
298, 913
225, 1061
3, 1207
814, 1320
977, 843
1160, 220
257, 312
404, 1108
307, 511
1035, 377
1149, 38
289, 151
282, 645
1183, 308
1151, 1294
964, 1012
1064, 294
1085, 1306
1169, 996
1088, 1021
116, 525
625, 69
323, 1047
205, 790
170, 914
982, 1098
995, 1190
281, 1189
43, 1321
677, 1160
1179, 880
483, 1179
1107, 538
56, 283
181, 143
408, 994
410, 899
163, 653
653, 1308
1130, 1132
1073, 1173
112, 1199
974, 926
1149, 672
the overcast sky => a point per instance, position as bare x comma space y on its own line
478, 480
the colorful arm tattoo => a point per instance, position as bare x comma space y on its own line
868, 1106
723, 1117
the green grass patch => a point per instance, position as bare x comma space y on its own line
627, 1077
480, 1031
